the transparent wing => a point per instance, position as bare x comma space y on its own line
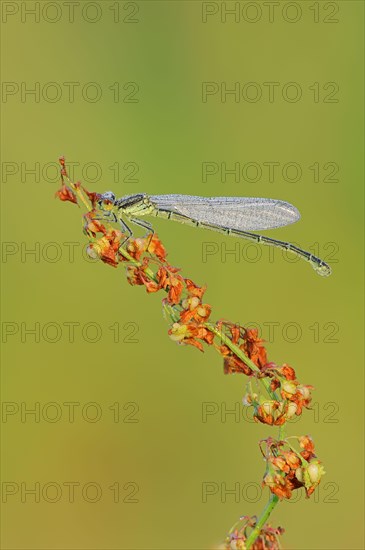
245, 213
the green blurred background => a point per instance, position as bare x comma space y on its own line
159, 450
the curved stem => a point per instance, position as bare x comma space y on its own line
261, 521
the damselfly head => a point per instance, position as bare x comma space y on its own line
106, 200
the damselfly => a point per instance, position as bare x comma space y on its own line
235, 216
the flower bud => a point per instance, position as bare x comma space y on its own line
289, 387
305, 391
269, 480
247, 400
194, 302
292, 459
315, 471
93, 251
268, 407
178, 332
279, 463
291, 409
299, 474
237, 545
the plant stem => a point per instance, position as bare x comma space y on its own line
130, 258
239, 353
236, 350
78, 191
282, 431
261, 521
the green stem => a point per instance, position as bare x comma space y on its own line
282, 432
130, 258
261, 521
236, 350
239, 353
80, 194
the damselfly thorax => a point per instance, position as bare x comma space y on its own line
236, 216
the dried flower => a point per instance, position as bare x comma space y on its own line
287, 470
66, 194
267, 538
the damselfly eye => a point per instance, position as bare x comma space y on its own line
108, 196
